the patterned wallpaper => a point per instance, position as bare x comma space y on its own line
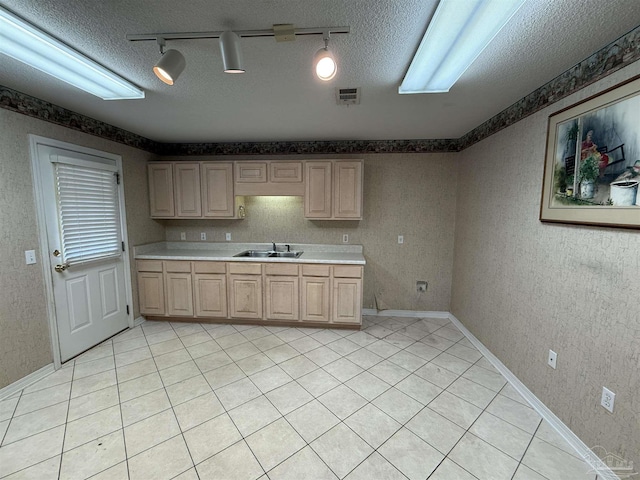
524, 287
25, 345
609, 59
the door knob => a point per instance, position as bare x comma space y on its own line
61, 268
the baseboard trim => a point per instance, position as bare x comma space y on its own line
404, 313
24, 382
603, 471
138, 321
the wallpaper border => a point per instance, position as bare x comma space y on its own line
614, 56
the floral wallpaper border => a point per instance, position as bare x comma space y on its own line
613, 57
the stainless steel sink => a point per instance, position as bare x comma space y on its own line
268, 253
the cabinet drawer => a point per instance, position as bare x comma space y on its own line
285, 172
347, 271
251, 172
245, 268
209, 267
280, 269
179, 266
315, 270
149, 265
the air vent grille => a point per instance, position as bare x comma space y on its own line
348, 96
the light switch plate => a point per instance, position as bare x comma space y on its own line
30, 256
400, 239
227, 237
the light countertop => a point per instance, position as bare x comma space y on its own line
224, 252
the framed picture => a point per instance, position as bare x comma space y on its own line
592, 164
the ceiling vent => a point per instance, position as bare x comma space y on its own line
348, 96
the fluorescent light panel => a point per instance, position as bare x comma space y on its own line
39, 50
459, 31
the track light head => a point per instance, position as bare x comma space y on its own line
170, 66
231, 53
323, 62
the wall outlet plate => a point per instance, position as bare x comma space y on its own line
552, 359
30, 257
608, 399
345, 238
227, 237
183, 235
203, 236
400, 239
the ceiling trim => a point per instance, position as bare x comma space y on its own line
611, 58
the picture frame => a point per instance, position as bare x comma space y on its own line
592, 161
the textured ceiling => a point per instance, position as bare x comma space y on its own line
279, 98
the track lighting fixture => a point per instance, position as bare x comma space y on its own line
324, 64
172, 62
170, 65
231, 53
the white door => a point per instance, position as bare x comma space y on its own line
84, 217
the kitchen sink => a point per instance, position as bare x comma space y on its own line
268, 254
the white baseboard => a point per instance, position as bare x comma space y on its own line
24, 382
138, 321
603, 471
404, 313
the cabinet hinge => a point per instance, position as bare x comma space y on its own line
117, 175
123, 246
127, 309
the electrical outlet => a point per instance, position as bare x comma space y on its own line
400, 239
227, 237
203, 236
608, 399
345, 238
421, 286
552, 359
183, 236
30, 256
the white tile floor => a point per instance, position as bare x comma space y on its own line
402, 398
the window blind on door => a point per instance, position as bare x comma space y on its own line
88, 213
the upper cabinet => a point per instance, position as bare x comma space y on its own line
187, 190
161, 190
333, 190
269, 178
218, 199
192, 190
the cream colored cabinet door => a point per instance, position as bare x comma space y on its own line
179, 294
245, 296
347, 190
251, 172
281, 298
285, 172
151, 293
317, 194
217, 190
347, 298
161, 203
210, 295
314, 305
187, 185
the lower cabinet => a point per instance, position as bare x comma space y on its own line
179, 294
210, 295
151, 293
278, 292
245, 290
315, 299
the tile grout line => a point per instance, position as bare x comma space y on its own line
124, 439
64, 434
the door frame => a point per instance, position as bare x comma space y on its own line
45, 258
